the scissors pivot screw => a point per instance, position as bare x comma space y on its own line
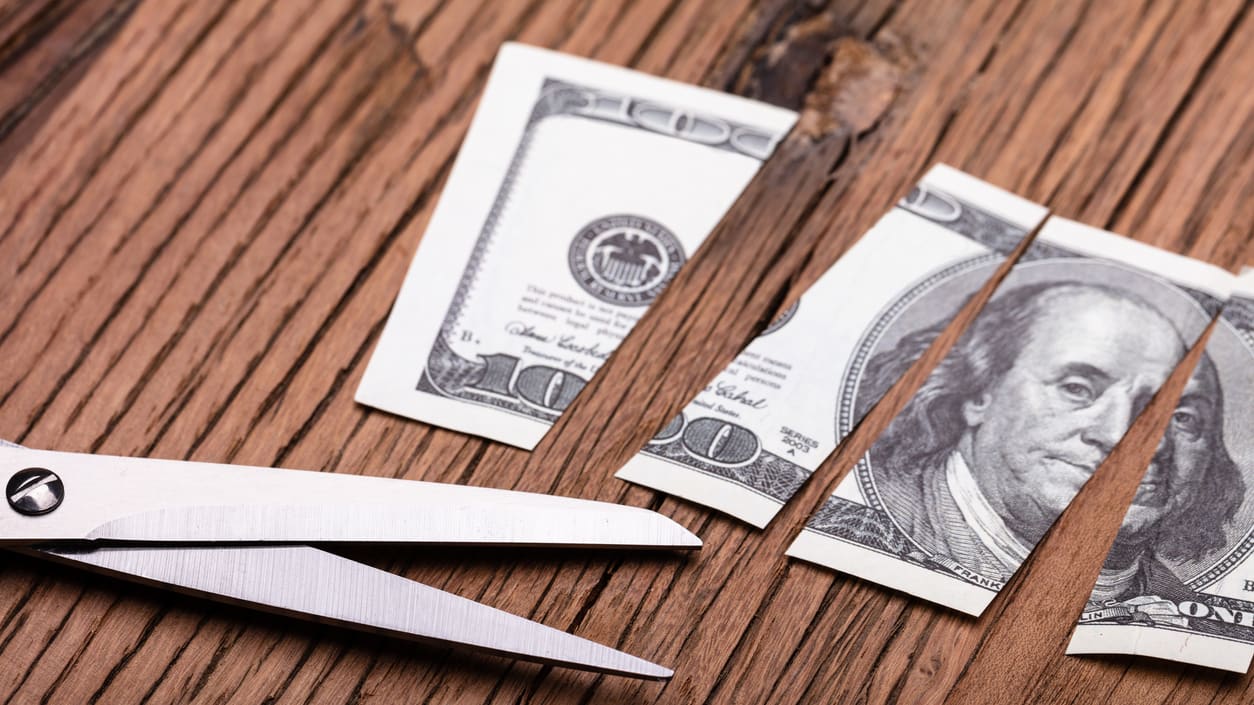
35, 491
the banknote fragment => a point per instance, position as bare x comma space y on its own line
579, 192
1178, 582
967, 478
746, 443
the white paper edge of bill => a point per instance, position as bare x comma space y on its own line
1244, 284
1197, 649
1012, 207
695, 486
413, 322
1096, 242
890, 572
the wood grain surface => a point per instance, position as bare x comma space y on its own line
206, 209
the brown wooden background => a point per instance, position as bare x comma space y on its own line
207, 208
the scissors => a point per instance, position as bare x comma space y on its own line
235, 533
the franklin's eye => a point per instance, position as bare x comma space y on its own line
1188, 423
1077, 390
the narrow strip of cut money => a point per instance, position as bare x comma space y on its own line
747, 442
1178, 583
960, 487
580, 191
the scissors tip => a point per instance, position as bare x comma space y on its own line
673, 534
689, 539
662, 673
655, 672
618, 663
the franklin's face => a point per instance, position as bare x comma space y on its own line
1090, 364
1178, 469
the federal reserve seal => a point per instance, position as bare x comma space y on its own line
625, 259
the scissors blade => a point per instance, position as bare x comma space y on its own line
304, 582
163, 501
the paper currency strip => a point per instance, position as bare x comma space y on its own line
747, 442
580, 191
1178, 582
964, 482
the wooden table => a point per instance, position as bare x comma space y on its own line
207, 209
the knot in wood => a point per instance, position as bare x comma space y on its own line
852, 93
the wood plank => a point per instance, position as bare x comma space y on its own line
45, 48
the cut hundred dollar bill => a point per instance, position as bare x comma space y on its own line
579, 192
749, 440
1178, 583
965, 481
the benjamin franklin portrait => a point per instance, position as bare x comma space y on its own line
1023, 409
1187, 497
